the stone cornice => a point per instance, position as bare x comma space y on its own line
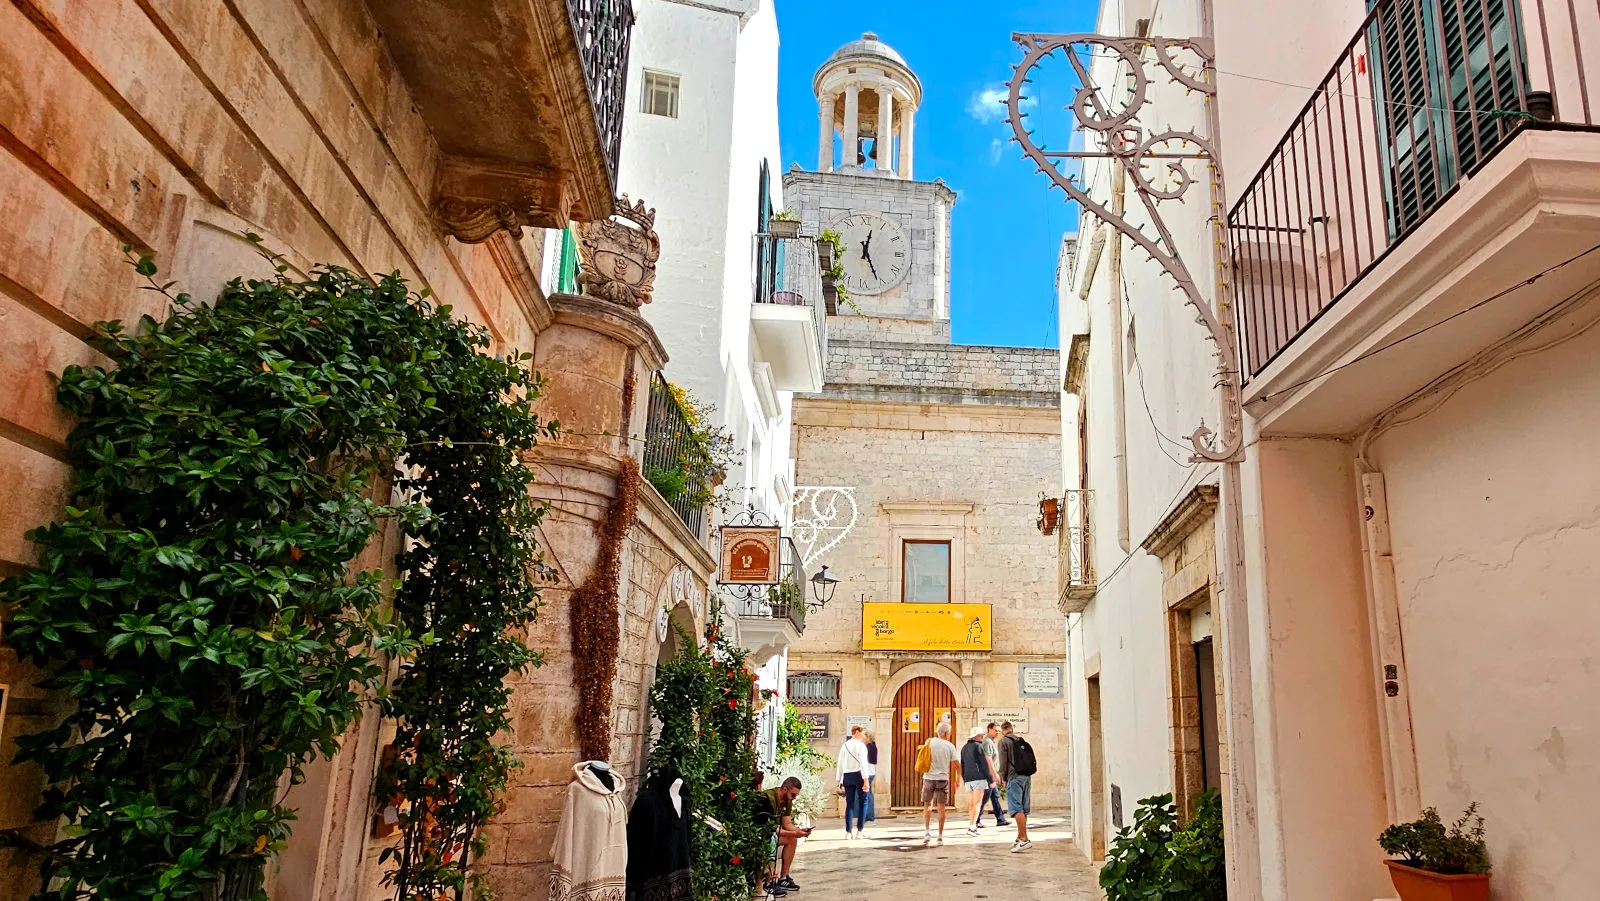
614, 320
1193, 510
931, 417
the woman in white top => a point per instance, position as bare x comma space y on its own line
851, 773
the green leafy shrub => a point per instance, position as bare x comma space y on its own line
196, 602
1427, 843
704, 699
812, 800
1156, 858
670, 482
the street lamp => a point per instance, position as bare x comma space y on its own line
822, 586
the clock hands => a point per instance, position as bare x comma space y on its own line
866, 254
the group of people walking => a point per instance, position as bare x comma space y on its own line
994, 764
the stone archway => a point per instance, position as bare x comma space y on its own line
958, 687
897, 748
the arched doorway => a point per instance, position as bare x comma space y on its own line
918, 706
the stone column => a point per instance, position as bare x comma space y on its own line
885, 144
908, 120
825, 136
597, 357
852, 125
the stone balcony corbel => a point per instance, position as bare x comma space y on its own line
524, 99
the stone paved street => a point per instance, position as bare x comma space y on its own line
892, 863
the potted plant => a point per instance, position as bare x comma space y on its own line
784, 224
1438, 863
829, 248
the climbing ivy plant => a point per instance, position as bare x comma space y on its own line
196, 603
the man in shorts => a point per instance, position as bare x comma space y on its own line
1019, 785
976, 777
936, 781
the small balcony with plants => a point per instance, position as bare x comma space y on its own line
773, 617
789, 314
525, 100
1439, 190
686, 456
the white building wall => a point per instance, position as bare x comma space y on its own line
1166, 377
700, 171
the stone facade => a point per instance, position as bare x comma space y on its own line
942, 443
921, 207
174, 128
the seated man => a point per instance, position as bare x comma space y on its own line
777, 806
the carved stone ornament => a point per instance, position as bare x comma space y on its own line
619, 255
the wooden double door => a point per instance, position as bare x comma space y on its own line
919, 705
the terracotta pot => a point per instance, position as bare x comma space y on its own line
1415, 884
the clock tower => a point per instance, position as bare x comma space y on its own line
895, 230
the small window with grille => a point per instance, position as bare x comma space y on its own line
661, 94
814, 689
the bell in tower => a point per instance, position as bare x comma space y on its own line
868, 97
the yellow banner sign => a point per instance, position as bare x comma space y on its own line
925, 627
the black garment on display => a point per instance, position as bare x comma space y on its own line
658, 844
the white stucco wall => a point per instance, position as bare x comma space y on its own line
700, 172
1495, 504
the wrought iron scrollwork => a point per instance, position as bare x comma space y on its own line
1139, 151
823, 517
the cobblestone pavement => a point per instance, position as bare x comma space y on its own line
892, 863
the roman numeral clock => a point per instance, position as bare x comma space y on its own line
877, 255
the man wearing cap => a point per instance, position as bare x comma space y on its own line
977, 777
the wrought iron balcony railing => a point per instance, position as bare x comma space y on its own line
1420, 98
670, 453
787, 599
789, 273
1076, 535
604, 29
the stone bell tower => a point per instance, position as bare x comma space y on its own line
868, 95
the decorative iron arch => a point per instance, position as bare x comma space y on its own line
1136, 149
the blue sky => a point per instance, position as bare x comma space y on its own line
1007, 224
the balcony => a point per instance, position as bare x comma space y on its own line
789, 319
525, 100
671, 457
1077, 550
1448, 156
772, 618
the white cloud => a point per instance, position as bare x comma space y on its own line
989, 104
997, 148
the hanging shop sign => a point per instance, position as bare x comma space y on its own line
750, 555
1039, 680
818, 723
925, 627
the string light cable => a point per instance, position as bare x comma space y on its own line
1165, 509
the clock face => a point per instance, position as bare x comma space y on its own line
877, 255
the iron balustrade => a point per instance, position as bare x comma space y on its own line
789, 273
1420, 98
668, 447
604, 29
1077, 549
787, 599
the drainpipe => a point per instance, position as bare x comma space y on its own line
1393, 692
1119, 396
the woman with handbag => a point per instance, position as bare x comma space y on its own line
851, 775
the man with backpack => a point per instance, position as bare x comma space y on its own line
1017, 766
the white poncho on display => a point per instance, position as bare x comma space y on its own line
591, 851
